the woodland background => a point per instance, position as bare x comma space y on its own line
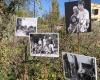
15, 60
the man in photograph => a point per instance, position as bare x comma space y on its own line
83, 17
51, 45
44, 41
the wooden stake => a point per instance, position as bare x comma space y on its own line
26, 72
78, 37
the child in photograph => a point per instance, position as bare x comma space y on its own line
46, 49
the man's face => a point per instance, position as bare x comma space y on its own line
81, 7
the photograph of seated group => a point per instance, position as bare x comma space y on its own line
79, 67
24, 26
44, 44
78, 16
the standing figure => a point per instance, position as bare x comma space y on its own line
40, 45
83, 17
51, 45
44, 41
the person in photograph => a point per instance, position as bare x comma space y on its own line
46, 49
83, 17
35, 48
51, 45
40, 42
40, 46
74, 20
39, 49
21, 31
19, 21
32, 46
30, 29
44, 41
45, 45
67, 66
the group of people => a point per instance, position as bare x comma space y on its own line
44, 46
79, 21
24, 30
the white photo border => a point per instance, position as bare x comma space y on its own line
44, 55
22, 18
63, 53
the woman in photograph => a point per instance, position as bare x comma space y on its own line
74, 21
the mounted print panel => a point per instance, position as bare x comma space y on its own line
78, 16
44, 44
79, 67
24, 26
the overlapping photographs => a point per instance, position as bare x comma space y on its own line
24, 26
78, 16
44, 44
79, 67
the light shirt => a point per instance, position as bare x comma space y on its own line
83, 17
44, 42
40, 42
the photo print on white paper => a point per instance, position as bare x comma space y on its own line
79, 67
44, 44
25, 26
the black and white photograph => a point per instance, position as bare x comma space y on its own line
44, 44
24, 26
78, 16
79, 67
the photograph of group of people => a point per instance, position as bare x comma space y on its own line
44, 44
78, 16
24, 26
79, 67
